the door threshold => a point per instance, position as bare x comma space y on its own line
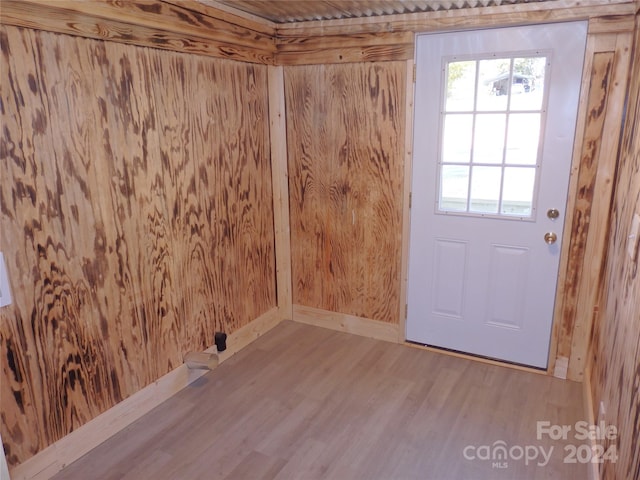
478, 358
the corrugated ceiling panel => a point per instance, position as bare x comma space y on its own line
285, 11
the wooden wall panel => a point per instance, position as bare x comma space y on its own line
345, 125
176, 25
615, 350
135, 217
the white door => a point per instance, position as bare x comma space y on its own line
495, 114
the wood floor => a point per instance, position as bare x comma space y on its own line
304, 402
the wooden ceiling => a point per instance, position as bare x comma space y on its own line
288, 11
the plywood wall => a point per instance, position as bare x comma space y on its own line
345, 131
590, 197
135, 218
615, 351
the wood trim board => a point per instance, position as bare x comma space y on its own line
406, 201
280, 178
343, 322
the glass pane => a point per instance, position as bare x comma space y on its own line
461, 80
491, 135
522, 138
528, 83
454, 188
517, 190
488, 146
493, 79
456, 142
485, 189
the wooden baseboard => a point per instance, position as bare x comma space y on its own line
346, 323
55, 457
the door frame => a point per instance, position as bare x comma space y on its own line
556, 365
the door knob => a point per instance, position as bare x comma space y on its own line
553, 213
550, 238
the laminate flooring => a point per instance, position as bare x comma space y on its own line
303, 402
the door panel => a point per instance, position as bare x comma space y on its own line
507, 272
493, 136
449, 277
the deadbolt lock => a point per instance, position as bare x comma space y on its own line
553, 213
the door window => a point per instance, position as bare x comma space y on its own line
490, 141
